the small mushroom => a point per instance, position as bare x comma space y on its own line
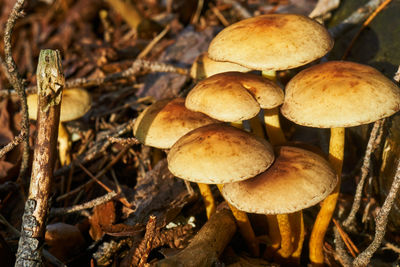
74, 104
243, 94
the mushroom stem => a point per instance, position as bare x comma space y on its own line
208, 199
156, 156
244, 226
336, 151
64, 145
297, 222
256, 127
237, 124
286, 234
273, 126
270, 75
274, 235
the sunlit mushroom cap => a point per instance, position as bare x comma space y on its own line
204, 67
75, 103
296, 180
164, 122
234, 96
271, 42
219, 153
339, 94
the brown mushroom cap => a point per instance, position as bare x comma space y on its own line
234, 96
271, 42
164, 122
204, 67
296, 180
339, 94
75, 103
219, 153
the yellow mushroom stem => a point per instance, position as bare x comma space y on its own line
274, 237
208, 199
237, 124
270, 75
256, 126
273, 126
286, 236
245, 228
276, 136
64, 145
336, 152
297, 222
156, 156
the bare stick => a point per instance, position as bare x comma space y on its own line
380, 221
17, 83
50, 81
344, 258
10, 146
139, 65
356, 17
205, 248
88, 205
364, 172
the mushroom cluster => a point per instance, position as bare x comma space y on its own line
250, 175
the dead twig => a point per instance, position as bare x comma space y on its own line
50, 80
138, 66
142, 252
88, 205
364, 25
99, 147
356, 17
15, 142
380, 223
373, 142
205, 248
124, 141
153, 42
18, 85
101, 173
340, 249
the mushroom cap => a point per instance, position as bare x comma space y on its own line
234, 96
204, 67
296, 180
219, 153
164, 122
339, 94
74, 104
272, 42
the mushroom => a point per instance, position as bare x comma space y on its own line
218, 154
243, 94
75, 103
335, 95
296, 180
270, 43
161, 124
204, 67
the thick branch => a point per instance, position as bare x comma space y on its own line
207, 245
50, 80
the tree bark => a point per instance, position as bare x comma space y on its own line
50, 82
